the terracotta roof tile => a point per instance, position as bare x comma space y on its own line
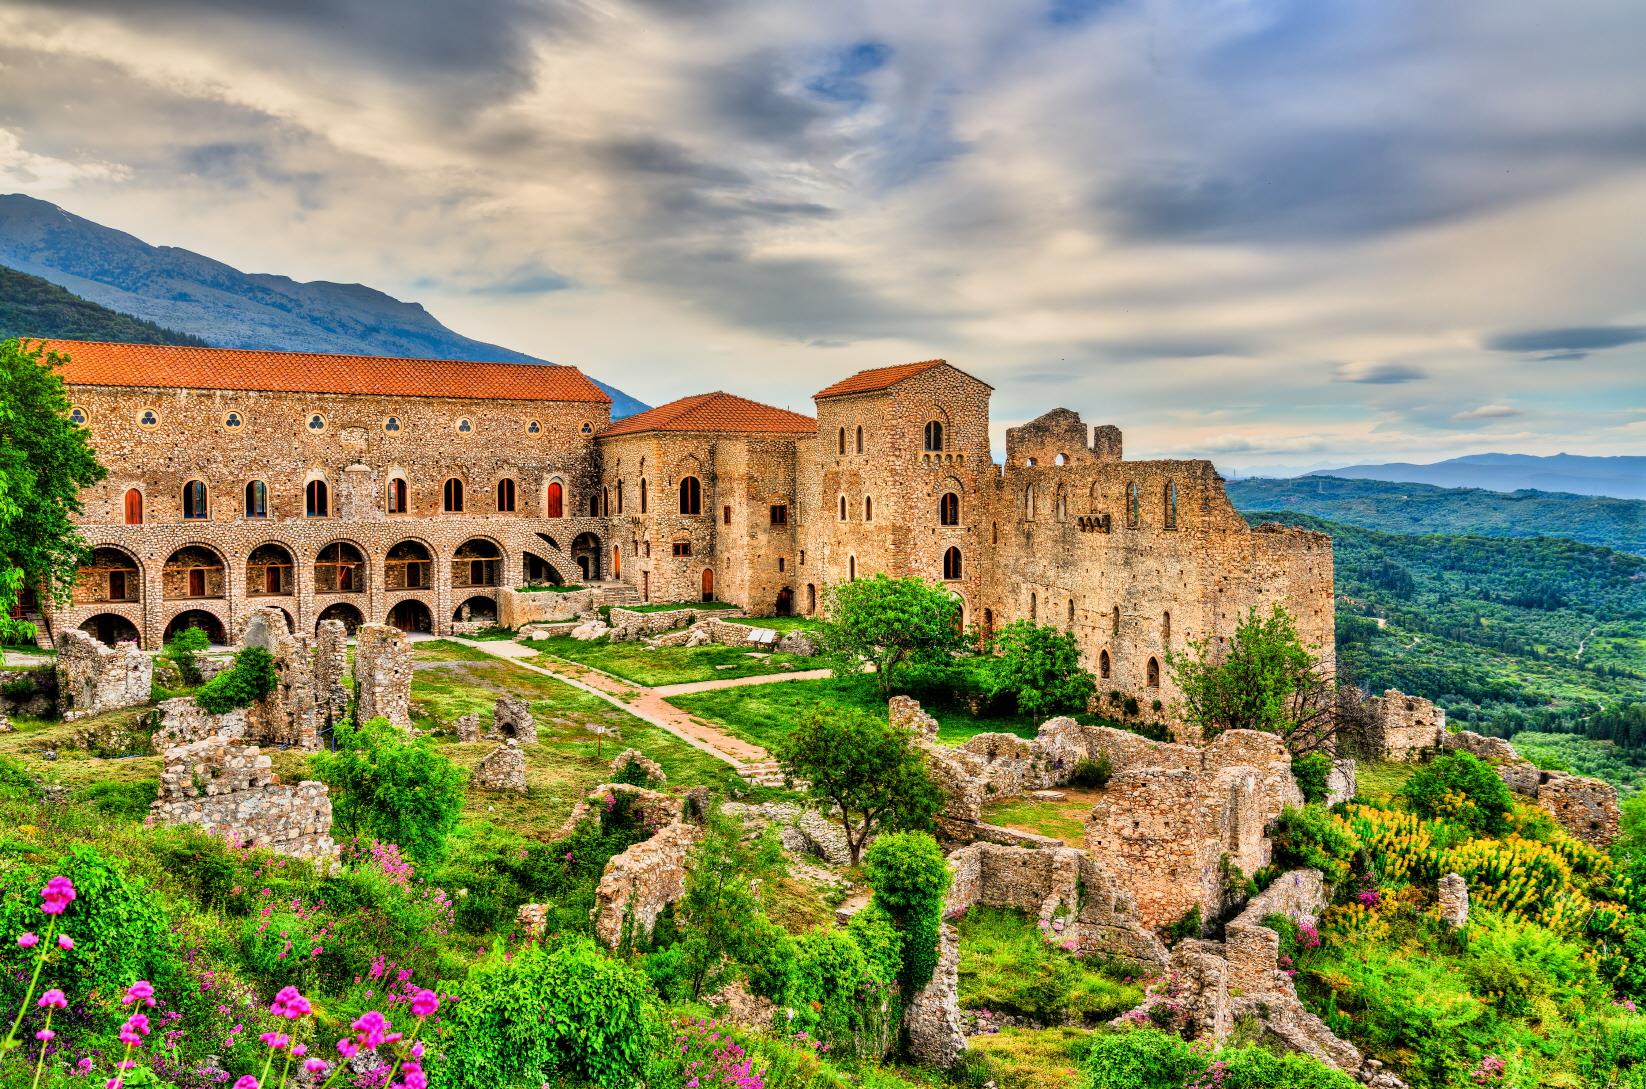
101, 363
715, 412
878, 378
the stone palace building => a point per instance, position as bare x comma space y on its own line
411, 491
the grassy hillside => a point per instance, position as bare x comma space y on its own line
1505, 634
1424, 508
32, 307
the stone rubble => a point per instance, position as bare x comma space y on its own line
467, 727
1454, 901
1586, 808
230, 791
512, 717
504, 768
651, 768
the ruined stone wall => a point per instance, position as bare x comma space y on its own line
383, 675
230, 791
1405, 728
93, 678
1586, 808
516, 609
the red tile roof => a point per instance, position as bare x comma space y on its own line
101, 363
715, 412
878, 378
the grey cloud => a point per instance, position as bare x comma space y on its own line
1378, 374
1575, 339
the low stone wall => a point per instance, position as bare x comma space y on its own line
639, 883
29, 692
504, 768
93, 678
932, 1019
628, 625
1586, 808
183, 722
230, 791
383, 674
516, 609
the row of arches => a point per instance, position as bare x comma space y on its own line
1133, 502
196, 500
409, 615
689, 492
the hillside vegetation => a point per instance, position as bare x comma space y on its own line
32, 307
1506, 634
1425, 508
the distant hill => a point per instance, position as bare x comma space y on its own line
1424, 508
180, 289
32, 307
1506, 634
1623, 477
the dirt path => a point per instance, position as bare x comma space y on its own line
645, 703
689, 687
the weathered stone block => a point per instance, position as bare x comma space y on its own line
504, 768
513, 718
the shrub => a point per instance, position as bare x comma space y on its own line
1143, 1058
1093, 774
1039, 668
250, 679
127, 801
892, 623
545, 1014
393, 787
1313, 837
1463, 788
1189, 925
909, 876
1312, 773
184, 651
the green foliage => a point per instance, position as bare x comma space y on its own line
1038, 668
33, 307
250, 679
909, 875
1311, 837
1007, 964
1146, 1058
120, 929
16, 784
717, 916
1189, 925
393, 787
1312, 771
44, 462
1264, 679
890, 624
1461, 787
184, 649
1093, 774
868, 770
544, 1014
121, 800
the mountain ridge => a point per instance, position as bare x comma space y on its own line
1619, 476
203, 297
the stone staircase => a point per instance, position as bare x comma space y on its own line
615, 593
767, 773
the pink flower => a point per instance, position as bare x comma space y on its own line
314, 1066
57, 895
65, 942
54, 1000
247, 1081
424, 1003
276, 1040
288, 1003
372, 1029
45, 1034
114, 1083
347, 1048
28, 939
135, 1028
141, 992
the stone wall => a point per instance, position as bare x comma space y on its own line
383, 675
932, 1020
308, 694
516, 609
639, 883
504, 768
93, 678
1586, 808
183, 722
230, 791
1403, 727
33, 692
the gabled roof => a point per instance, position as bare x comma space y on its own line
715, 412
102, 363
879, 378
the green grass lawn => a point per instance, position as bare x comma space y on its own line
1007, 965
1063, 819
672, 606
764, 714
1380, 782
636, 662
777, 623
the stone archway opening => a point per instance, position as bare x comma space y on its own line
197, 618
111, 628
411, 616
343, 611
193, 572
586, 554
475, 610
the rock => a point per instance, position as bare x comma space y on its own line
697, 638
504, 768
651, 768
905, 711
533, 921
467, 727
591, 630
1454, 901
639, 883
513, 718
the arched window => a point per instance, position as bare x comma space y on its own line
951, 563
505, 496
1171, 505
594, 506
859, 438
134, 507
934, 436
1154, 673
316, 500
619, 497
257, 499
397, 495
1028, 502
1034, 606
842, 508
842, 440
868, 508
643, 499
1132, 510
1114, 621
1103, 667
1166, 629
555, 505
851, 568
194, 499
691, 496
948, 510
451, 496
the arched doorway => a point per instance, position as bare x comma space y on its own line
539, 572
110, 628
270, 572
348, 614
410, 616
197, 618
785, 602
708, 584
586, 554
477, 610
192, 572
617, 562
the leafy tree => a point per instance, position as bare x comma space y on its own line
1461, 787
890, 623
868, 770
184, 651
1265, 680
1039, 668
392, 786
909, 876
1313, 774
718, 914
44, 462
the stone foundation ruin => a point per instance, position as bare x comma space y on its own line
308, 694
93, 678
230, 791
382, 674
504, 768
1404, 728
513, 719
1586, 808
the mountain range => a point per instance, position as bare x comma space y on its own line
1622, 477
186, 291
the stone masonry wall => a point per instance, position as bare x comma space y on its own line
93, 678
1586, 808
383, 675
1405, 728
229, 790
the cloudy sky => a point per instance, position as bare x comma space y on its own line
1279, 233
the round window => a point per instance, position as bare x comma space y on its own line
392, 424
464, 427
232, 421
148, 418
77, 415
588, 428
317, 422
534, 428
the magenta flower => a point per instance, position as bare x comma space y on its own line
45, 1034
135, 1028
424, 1003
54, 1000
276, 1040
141, 993
314, 1066
247, 1081
372, 1029
347, 1048
57, 895
64, 942
28, 939
289, 1003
